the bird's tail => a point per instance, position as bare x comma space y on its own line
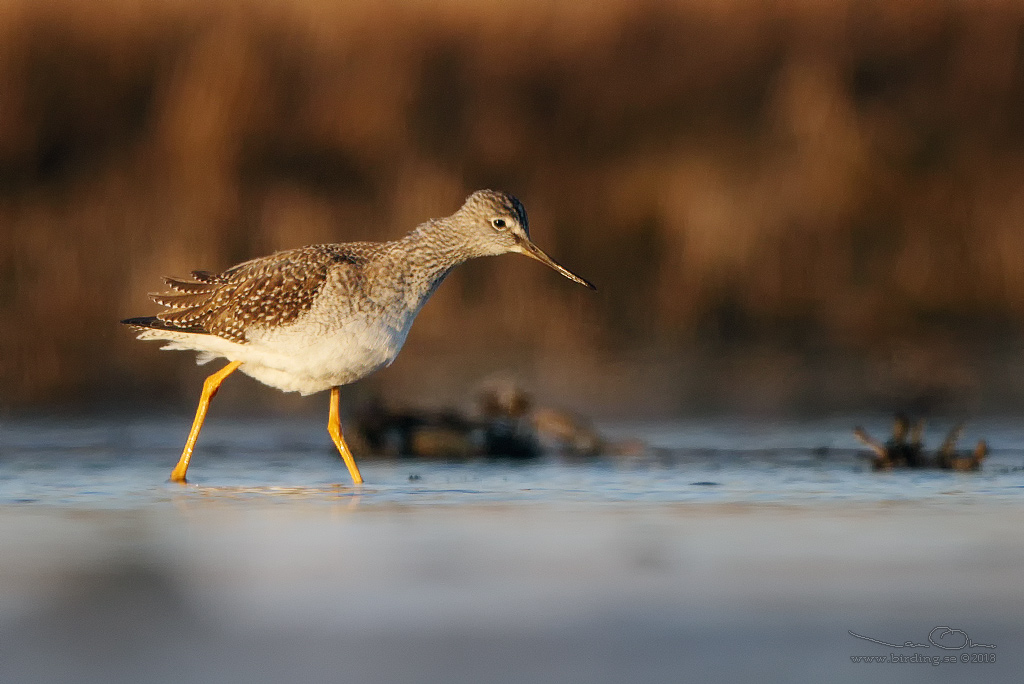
155, 323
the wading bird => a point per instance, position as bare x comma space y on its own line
315, 318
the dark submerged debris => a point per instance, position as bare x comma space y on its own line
505, 424
948, 458
403, 433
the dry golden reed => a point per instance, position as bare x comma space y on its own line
783, 204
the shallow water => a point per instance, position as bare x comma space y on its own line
724, 550
124, 464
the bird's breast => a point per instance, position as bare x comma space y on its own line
320, 351
346, 335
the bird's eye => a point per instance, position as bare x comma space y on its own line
498, 223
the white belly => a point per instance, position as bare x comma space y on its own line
309, 358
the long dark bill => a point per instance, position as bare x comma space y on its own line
534, 252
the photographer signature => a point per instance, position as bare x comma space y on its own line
936, 638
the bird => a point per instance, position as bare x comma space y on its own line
319, 317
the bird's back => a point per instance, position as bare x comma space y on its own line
271, 291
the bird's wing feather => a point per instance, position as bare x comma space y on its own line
268, 291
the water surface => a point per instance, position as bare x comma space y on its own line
724, 551
125, 464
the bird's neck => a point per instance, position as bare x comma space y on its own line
434, 247
421, 260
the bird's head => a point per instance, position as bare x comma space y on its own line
495, 223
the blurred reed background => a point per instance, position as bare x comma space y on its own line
790, 206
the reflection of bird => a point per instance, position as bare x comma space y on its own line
948, 458
315, 318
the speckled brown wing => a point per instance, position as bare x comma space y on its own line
269, 291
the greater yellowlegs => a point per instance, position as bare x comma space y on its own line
315, 318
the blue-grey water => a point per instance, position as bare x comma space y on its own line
720, 550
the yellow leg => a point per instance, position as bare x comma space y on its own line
334, 427
210, 387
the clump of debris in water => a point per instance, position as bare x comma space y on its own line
505, 423
905, 448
